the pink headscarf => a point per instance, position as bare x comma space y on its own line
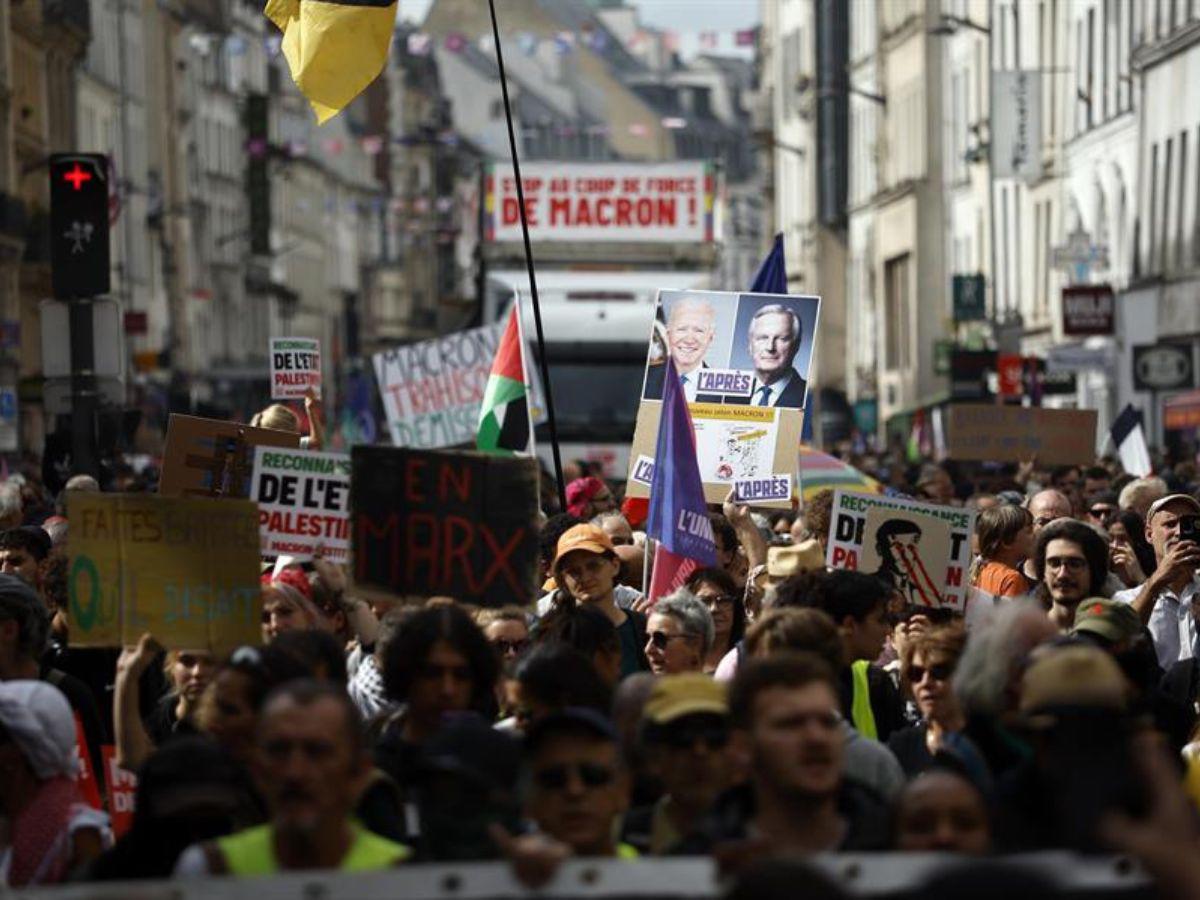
580, 493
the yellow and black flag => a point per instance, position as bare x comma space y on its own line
335, 48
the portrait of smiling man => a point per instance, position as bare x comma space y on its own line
691, 327
773, 339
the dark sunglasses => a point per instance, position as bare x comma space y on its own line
591, 775
1102, 512
940, 672
660, 639
722, 600
504, 647
684, 738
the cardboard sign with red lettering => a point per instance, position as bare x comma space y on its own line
122, 791
455, 524
295, 367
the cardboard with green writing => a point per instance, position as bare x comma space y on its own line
213, 458
303, 499
184, 570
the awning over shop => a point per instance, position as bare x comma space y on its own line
1182, 412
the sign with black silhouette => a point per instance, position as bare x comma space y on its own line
432, 523
922, 549
213, 458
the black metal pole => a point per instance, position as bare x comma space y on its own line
84, 399
537, 311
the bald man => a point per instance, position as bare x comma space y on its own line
691, 327
1045, 506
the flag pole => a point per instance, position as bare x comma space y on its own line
537, 312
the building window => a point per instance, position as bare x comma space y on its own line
1152, 210
896, 312
1181, 212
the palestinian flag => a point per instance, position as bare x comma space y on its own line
334, 48
504, 414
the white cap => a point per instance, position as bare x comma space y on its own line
1158, 505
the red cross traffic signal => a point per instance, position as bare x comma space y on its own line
79, 253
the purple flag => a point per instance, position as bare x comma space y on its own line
678, 517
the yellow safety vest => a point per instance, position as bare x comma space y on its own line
860, 705
252, 852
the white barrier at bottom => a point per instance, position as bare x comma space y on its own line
862, 874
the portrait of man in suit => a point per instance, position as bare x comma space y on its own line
691, 326
774, 337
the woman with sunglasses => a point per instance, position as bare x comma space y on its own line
679, 634
927, 668
719, 592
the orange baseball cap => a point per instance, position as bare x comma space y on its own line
582, 537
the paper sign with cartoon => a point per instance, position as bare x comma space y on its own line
908, 550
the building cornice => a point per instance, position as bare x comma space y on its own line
1149, 55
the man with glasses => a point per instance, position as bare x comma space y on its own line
1167, 601
685, 732
1070, 564
787, 734
1102, 509
576, 786
1045, 507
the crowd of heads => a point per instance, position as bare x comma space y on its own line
766, 699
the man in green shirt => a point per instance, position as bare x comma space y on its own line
312, 765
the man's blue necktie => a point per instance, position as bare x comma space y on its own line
764, 396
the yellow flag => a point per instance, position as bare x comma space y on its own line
335, 48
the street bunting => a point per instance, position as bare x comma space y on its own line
213, 458
738, 440
431, 391
924, 550
295, 367
601, 202
438, 523
303, 502
981, 431
184, 570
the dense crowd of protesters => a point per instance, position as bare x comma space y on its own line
769, 708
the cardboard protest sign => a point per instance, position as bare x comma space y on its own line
184, 570
432, 390
980, 431
295, 367
922, 548
303, 502
743, 361
458, 524
212, 458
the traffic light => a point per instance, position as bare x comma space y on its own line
258, 176
79, 192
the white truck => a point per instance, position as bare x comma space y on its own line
606, 238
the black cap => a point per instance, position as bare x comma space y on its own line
468, 745
570, 720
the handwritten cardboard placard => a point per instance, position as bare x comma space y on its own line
184, 570
295, 367
981, 431
303, 502
213, 458
429, 523
922, 549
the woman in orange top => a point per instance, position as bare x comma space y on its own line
1005, 535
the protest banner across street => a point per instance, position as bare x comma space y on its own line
924, 549
303, 502
603, 202
743, 361
295, 367
982, 431
184, 570
213, 458
458, 524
